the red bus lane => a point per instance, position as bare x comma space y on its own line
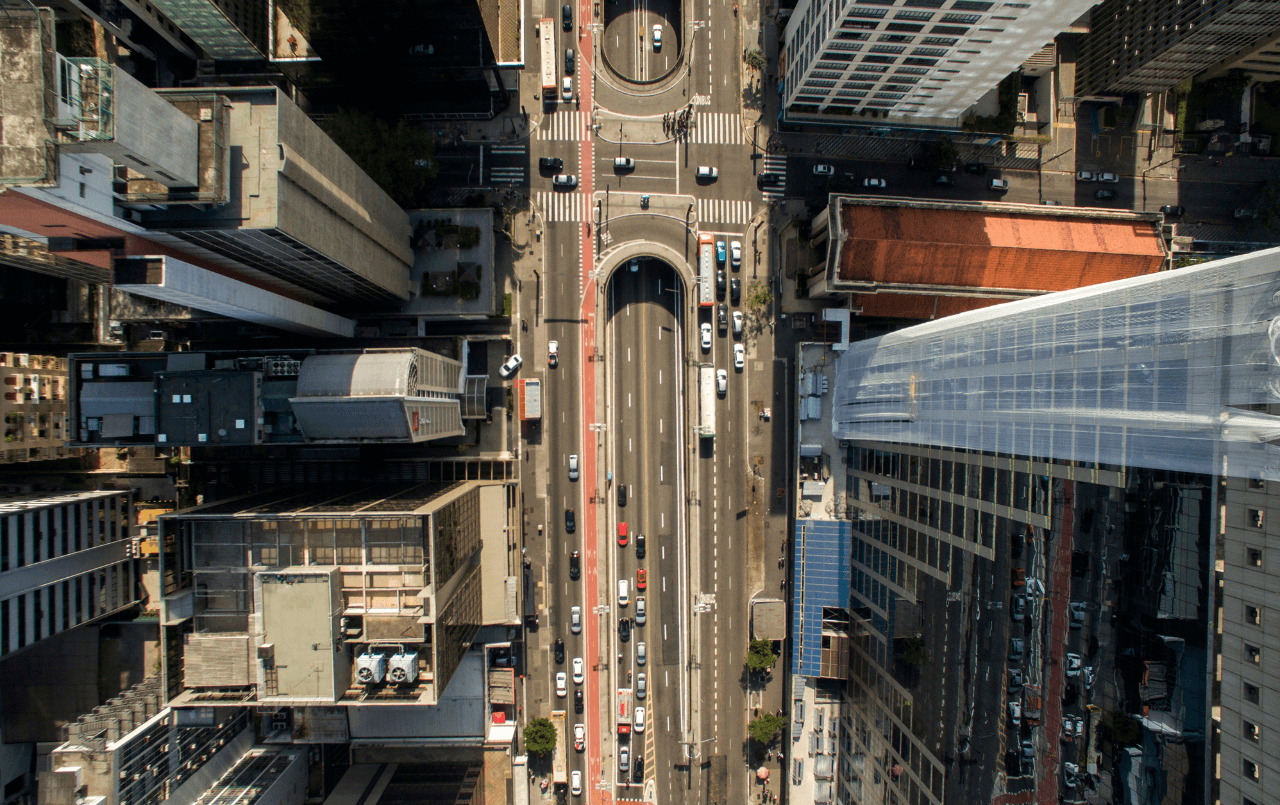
1055, 649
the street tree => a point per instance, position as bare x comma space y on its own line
760, 655
755, 59
766, 728
540, 736
758, 297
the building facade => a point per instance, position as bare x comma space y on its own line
34, 406
919, 62
1151, 46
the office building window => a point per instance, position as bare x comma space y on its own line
970, 5
1253, 555
1251, 771
1253, 615
905, 27
1256, 517
1252, 732
961, 19
944, 41
1253, 654
1252, 693
921, 16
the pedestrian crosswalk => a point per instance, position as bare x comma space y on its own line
723, 211
562, 126
777, 165
561, 206
718, 128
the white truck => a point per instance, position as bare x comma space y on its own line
559, 776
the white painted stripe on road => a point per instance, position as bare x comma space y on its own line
724, 211
564, 126
717, 128
560, 206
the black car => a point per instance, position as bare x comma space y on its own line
722, 315
575, 566
1070, 695
559, 651
943, 180
624, 630
622, 494
569, 61
1103, 195
551, 164
735, 290
577, 701
769, 178
570, 522
566, 17
639, 546
1012, 763
1173, 209
720, 283
976, 168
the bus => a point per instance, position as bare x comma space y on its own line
706, 271
547, 33
707, 394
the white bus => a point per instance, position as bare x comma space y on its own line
707, 395
547, 33
706, 270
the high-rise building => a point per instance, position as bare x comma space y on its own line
1045, 531
1151, 46
34, 407
227, 30
922, 62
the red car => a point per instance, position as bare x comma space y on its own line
622, 535
642, 579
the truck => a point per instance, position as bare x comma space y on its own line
707, 397
624, 711
547, 37
559, 776
1031, 703
706, 270
529, 396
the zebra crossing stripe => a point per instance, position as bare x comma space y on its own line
723, 211
560, 207
508, 149
564, 126
718, 128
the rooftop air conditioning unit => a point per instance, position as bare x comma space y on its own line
404, 668
371, 668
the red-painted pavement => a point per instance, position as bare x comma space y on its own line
1058, 572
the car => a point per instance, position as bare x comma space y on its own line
874, 184
624, 757
1070, 775
1019, 608
642, 612
634, 265
1015, 714
639, 546
624, 164
565, 180
551, 163
1000, 185
707, 173
1104, 195
722, 317
559, 651
770, 178
722, 382
1108, 177
1015, 679
622, 535
1079, 727
706, 336
566, 89
573, 466
1074, 663
566, 17
622, 494
578, 668
562, 686
1070, 694
1244, 212
422, 50
1173, 209
976, 168
720, 252
575, 566
642, 654
1012, 763
642, 578
575, 784
642, 685
509, 368
580, 737
624, 630
553, 354
637, 720
1015, 649
1086, 176
721, 282
624, 592
1090, 676
735, 290
1051, 203
1017, 577
570, 59
737, 322
1077, 609
577, 701
575, 620
739, 356
823, 170
657, 38
570, 521
944, 180
735, 254
1028, 749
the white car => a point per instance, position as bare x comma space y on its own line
566, 89
874, 183
1089, 676
706, 337
657, 38
638, 720
642, 685
1015, 713
707, 173
1086, 176
573, 467
562, 686
634, 265
509, 368
642, 653
576, 783
575, 621
577, 670
580, 737
624, 757
735, 253
565, 180
641, 611
722, 382
999, 184
1108, 177
624, 163
1079, 727
1074, 663
553, 353
737, 322
823, 170
739, 356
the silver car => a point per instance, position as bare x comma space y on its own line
575, 620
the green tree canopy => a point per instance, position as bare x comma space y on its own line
765, 728
540, 736
758, 296
760, 655
399, 158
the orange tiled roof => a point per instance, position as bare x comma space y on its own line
989, 249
